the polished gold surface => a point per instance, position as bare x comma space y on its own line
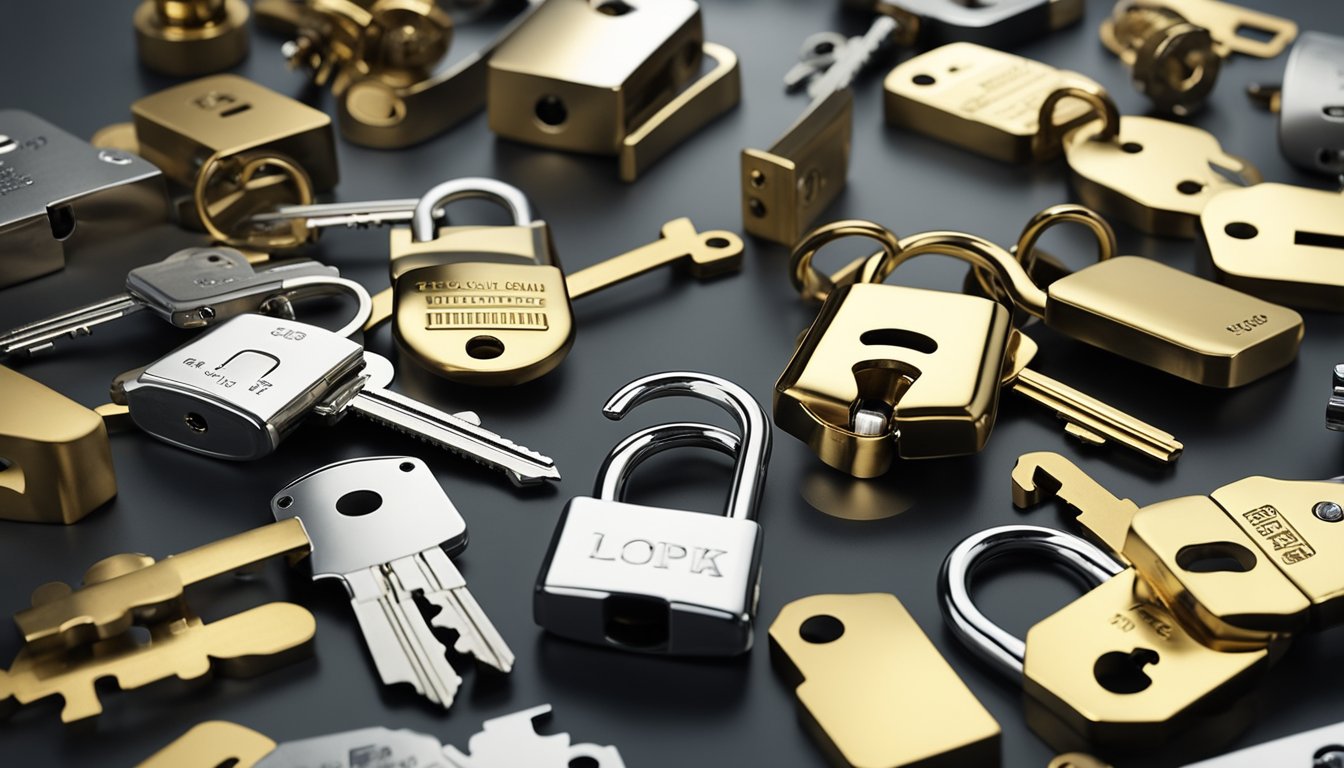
55, 459
1076, 760
230, 189
706, 255
1300, 227
1103, 518
878, 695
186, 38
1117, 671
1156, 175
213, 744
1227, 22
986, 101
786, 187
612, 79
180, 128
1173, 62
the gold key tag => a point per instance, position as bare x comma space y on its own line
610, 79
1155, 175
181, 128
854, 659
55, 460
1299, 226
1234, 28
888, 370
213, 744
987, 101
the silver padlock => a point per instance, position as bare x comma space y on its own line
654, 580
1310, 104
58, 191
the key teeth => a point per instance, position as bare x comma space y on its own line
549, 473
1033, 484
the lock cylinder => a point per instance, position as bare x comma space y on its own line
186, 38
1173, 62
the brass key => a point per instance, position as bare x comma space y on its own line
1085, 417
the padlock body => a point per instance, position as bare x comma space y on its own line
934, 357
1116, 671
983, 100
1311, 134
179, 128
1171, 320
238, 390
58, 192
575, 78
57, 460
481, 305
650, 580
1003, 24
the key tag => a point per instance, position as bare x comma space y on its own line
1154, 175
662, 581
889, 370
55, 459
75, 638
1113, 670
1300, 226
557, 82
854, 660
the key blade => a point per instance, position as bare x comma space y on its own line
445, 587
403, 647
1040, 476
40, 335
522, 465
357, 749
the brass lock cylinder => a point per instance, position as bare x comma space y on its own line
1173, 62
185, 38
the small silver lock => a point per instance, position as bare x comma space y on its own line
654, 580
1309, 103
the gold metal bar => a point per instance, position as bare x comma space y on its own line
1095, 422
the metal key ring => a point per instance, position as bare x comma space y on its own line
248, 164
1048, 132
816, 286
320, 285
1025, 250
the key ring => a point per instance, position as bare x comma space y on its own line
816, 286
1048, 132
321, 285
1025, 250
245, 167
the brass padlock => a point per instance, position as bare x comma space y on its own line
55, 460
1298, 225
1154, 175
184, 128
890, 370
1172, 61
186, 38
990, 102
854, 660
1114, 670
1249, 564
610, 77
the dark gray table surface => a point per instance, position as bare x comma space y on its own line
74, 63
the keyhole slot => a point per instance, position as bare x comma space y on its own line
613, 7
1216, 557
1123, 673
1252, 32
236, 109
62, 219
551, 112
899, 337
635, 621
1318, 239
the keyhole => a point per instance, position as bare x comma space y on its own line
1120, 672
11, 475
583, 761
1216, 557
636, 621
551, 112
1318, 239
613, 8
62, 219
1328, 757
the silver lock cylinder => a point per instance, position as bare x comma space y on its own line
656, 580
1311, 108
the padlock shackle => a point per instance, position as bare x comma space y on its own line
423, 223
976, 250
628, 454
976, 631
1025, 250
749, 476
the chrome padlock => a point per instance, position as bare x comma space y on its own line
888, 370
1114, 670
480, 304
653, 580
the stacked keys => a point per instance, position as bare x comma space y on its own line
381, 526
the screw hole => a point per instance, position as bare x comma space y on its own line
1328, 511
196, 422
822, 629
756, 207
757, 179
485, 347
717, 242
359, 503
1132, 147
284, 502
406, 466
551, 111
613, 8
1241, 230
1189, 187
923, 80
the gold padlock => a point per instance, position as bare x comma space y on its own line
610, 77
889, 370
854, 659
1173, 62
1113, 670
186, 38
1249, 564
55, 459
1154, 175
1298, 225
990, 102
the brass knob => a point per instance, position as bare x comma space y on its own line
185, 38
1173, 62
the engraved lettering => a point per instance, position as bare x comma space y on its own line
637, 544
668, 552
705, 560
445, 320
597, 547
288, 333
1274, 529
1162, 628
1125, 625
1247, 325
663, 555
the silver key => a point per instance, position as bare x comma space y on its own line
381, 526
510, 741
830, 62
192, 288
354, 215
237, 391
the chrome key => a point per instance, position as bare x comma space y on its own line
192, 288
829, 61
381, 526
353, 215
